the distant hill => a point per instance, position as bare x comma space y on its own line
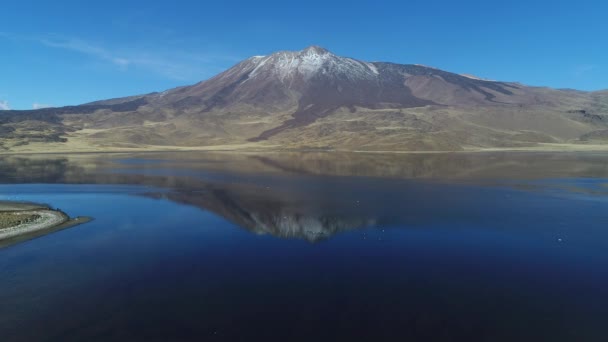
314, 99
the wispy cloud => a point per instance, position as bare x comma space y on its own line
87, 48
37, 105
171, 63
4, 105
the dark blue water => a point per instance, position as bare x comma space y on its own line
176, 255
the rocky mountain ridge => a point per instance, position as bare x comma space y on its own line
315, 99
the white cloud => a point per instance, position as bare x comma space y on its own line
177, 62
174, 64
4, 105
85, 48
36, 105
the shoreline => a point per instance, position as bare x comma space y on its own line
25, 221
553, 148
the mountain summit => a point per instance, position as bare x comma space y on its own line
309, 62
314, 98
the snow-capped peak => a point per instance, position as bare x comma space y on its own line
309, 62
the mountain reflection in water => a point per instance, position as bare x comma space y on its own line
310, 246
313, 196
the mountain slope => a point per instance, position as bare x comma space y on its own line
316, 99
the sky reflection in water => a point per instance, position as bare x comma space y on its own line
294, 246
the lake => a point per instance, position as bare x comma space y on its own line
310, 246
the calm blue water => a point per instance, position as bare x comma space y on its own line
180, 251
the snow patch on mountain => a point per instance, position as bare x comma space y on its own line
310, 62
372, 68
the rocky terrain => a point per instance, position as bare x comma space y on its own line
314, 99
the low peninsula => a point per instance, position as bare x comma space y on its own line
24, 221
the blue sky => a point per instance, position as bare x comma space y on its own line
71, 52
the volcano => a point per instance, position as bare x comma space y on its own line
316, 99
